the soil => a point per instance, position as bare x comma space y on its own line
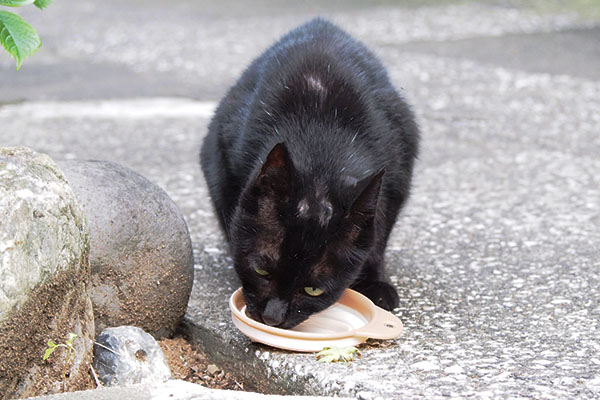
185, 360
190, 364
24, 336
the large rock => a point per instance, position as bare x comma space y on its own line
44, 270
141, 253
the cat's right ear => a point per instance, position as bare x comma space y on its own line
366, 203
277, 170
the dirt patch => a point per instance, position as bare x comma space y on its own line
131, 291
53, 310
188, 363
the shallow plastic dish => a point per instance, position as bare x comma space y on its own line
350, 321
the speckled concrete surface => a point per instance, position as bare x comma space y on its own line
172, 390
497, 255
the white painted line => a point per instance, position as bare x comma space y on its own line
140, 108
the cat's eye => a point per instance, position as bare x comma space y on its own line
261, 271
313, 291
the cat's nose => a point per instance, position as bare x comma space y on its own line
275, 311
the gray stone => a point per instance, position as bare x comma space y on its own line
44, 271
141, 253
127, 355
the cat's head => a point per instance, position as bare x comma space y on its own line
296, 245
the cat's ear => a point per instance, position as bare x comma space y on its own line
366, 202
277, 170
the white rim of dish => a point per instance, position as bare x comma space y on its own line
370, 308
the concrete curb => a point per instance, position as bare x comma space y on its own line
172, 390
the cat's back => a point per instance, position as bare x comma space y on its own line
316, 63
342, 68
320, 42
315, 42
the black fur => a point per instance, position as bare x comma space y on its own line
308, 160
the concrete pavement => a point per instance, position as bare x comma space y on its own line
496, 257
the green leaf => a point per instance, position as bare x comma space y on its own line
71, 337
41, 4
15, 3
18, 37
334, 354
48, 352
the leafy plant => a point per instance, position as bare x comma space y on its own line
18, 37
67, 345
335, 354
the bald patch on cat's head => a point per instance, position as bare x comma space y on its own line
318, 209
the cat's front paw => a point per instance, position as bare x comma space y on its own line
382, 294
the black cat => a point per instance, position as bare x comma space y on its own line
308, 160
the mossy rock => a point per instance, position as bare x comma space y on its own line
44, 270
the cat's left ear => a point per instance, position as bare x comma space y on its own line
366, 202
277, 169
